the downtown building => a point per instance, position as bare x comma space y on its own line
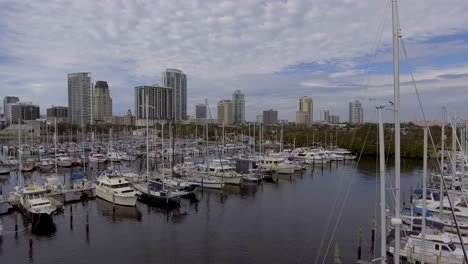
200, 113
160, 104
23, 111
225, 112
102, 102
177, 80
356, 115
80, 98
238, 102
270, 117
7, 109
325, 116
305, 113
57, 112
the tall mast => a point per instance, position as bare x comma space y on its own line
55, 146
383, 226
396, 86
442, 161
454, 160
147, 138
423, 229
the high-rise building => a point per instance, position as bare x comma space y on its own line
306, 106
355, 112
325, 116
200, 112
57, 112
270, 117
177, 80
24, 111
6, 110
225, 112
239, 107
160, 104
79, 98
302, 117
102, 102
334, 119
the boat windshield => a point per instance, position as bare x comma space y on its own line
452, 246
122, 185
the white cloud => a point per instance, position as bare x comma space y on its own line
221, 45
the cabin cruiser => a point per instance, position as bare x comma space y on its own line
63, 160
97, 158
221, 169
436, 249
115, 189
275, 163
53, 184
4, 170
11, 162
46, 164
34, 204
156, 193
113, 156
27, 165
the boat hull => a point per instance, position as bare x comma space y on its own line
37, 220
119, 200
160, 201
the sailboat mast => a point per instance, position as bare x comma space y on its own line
442, 161
396, 86
383, 226
147, 138
423, 229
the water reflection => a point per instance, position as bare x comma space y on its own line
117, 213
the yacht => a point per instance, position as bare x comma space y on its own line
63, 160
199, 179
11, 162
46, 164
4, 170
113, 155
115, 189
35, 205
154, 192
220, 169
27, 166
275, 163
436, 249
97, 158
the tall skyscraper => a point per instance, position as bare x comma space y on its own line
356, 115
305, 113
6, 109
325, 116
177, 80
239, 107
334, 119
200, 112
102, 102
225, 112
270, 117
160, 104
79, 98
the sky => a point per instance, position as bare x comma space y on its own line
334, 51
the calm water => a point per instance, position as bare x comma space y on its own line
282, 222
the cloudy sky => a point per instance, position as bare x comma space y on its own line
274, 51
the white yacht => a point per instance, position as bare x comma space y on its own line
200, 180
277, 164
97, 158
63, 160
4, 170
46, 164
11, 162
436, 249
115, 189
220, 168
34, 204
113, 155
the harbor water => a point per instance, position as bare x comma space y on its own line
298, 219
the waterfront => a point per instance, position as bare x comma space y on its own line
280, 222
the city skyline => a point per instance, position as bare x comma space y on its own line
329, 63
